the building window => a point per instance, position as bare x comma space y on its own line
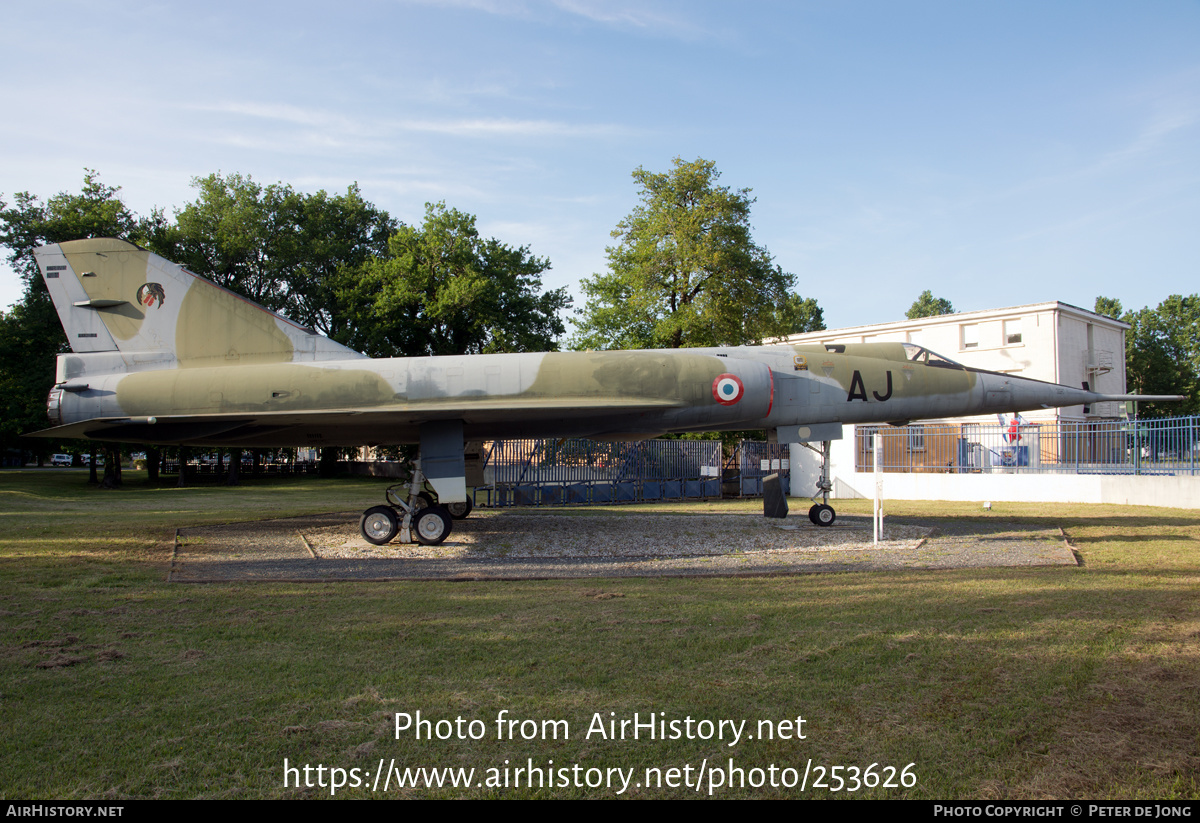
970, 337
868, 436
916, 438
866, 447
1012, 332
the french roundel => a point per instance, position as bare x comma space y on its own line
728, 389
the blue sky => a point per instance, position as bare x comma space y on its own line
997, 154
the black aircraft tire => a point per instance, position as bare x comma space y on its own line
823, 515
460, 510
379, 525
432, 525
424, 501
812, 513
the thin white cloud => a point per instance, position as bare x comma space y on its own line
413, 192
641, 16
505, 8
329, 125
1172, 113
306, 142
490, 127
280, 111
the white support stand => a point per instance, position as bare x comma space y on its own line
877, 517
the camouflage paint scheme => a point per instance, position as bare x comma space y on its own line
161, 355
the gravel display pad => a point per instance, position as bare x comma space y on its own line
516, 544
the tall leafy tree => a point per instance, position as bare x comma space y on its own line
1109, 307
96, 211
799, 314
686, 271
929, 306
1162, 351
334, 233
279, 247
28, 344
442, 289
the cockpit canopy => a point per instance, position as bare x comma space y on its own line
920, 354
895, 352
899, 352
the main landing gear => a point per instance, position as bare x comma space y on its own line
416, 516
822, 514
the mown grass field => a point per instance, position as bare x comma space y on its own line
1005, 683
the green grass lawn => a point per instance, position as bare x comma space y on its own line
1006, 683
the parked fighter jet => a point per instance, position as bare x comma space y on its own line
161, 355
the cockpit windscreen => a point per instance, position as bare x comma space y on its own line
920, 354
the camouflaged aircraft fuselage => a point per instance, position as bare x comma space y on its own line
160, 355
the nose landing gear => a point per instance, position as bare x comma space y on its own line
822, 514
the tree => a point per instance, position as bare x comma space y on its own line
97, 211
929, 306
686, 272
1162, 352
799, 314
442, 289
30, 333
279, 247
1109, 307
28, 345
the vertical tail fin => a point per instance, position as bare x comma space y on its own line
134, 310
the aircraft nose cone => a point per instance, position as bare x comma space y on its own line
1008, 393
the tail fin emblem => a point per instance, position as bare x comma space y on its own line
150, 294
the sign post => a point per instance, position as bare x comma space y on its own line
878, 507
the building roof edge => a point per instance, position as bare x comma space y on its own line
959, 317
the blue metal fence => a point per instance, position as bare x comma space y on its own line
575, 471
1162, 446
756, 460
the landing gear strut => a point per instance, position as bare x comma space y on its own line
416, 516
822, 514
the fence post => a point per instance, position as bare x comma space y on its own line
1137, 438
